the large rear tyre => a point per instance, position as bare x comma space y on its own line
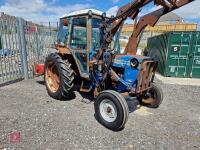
58, 77
154, 97
111, 110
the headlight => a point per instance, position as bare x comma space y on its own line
134, 63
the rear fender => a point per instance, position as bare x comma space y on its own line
76, 58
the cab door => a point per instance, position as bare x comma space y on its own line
79, 45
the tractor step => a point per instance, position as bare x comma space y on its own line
85, 87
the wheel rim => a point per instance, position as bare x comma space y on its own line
108, 110
52, 77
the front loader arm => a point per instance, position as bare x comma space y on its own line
151, 19
132, 10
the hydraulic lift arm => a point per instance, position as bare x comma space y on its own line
132, 10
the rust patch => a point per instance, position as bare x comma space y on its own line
62, 49
146, 76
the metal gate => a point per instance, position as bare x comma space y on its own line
22, 44
38, 43
10, 50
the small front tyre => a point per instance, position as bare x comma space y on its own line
111, 110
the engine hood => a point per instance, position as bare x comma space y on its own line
123, 61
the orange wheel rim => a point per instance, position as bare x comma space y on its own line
52, 77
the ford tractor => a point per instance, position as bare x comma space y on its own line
89, 54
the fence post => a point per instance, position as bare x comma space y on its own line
37, 44
22, 47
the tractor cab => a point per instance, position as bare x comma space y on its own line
79, 35
78, 27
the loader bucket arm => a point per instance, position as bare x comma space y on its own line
151, 19
132, 10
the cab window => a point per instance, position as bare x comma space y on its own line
79, 33
96, 33
62, 34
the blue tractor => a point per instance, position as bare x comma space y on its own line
89, 54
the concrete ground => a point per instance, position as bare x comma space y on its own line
179, 81
30, 119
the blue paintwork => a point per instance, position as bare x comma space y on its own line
92, 53
129, 79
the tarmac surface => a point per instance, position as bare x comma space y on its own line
30, 119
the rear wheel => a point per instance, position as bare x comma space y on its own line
58, 77
154, 97
111, 110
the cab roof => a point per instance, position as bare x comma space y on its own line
84, 12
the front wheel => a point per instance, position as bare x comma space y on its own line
111, 110
154, 97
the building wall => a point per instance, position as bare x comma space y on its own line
163, 27
158, 29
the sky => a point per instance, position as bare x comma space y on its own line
50, 10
